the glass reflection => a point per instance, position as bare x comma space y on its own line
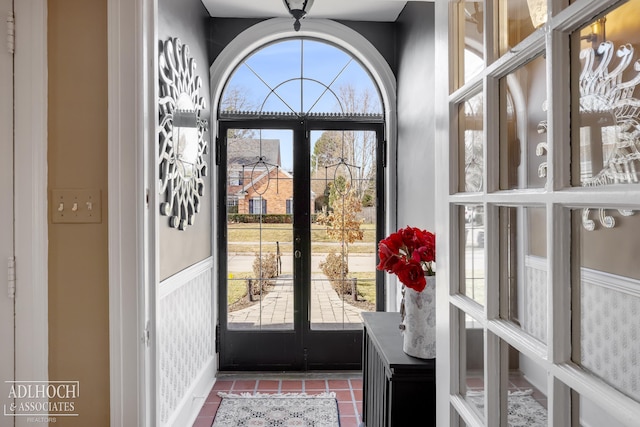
473, 39
471, 139
523, 265
609, 299
523, 383
472, 385
473, 253
519, 19
524, 124
606, 143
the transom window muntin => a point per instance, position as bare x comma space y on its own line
312, 78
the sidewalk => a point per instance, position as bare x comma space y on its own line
328, 310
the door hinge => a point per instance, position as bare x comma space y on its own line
217, 154
146, 336
146, 197
217, 343
11, 32
11, 276
384, 153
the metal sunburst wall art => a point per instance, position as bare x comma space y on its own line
181, 137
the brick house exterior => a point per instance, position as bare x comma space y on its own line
256, 182
273, 189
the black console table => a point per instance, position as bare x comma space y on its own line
398, 390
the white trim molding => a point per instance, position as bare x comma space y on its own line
174, 282
129, 31
32, 321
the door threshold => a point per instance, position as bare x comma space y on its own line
289, 374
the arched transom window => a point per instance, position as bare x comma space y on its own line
301, 77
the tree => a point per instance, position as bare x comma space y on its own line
236, 98
355, 151
342, 222
326, 151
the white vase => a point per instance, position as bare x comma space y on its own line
419, 321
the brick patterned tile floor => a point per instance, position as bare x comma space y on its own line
347, 387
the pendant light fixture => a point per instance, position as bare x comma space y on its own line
298, 9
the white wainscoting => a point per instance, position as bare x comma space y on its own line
186, 362
609, 328
535, 297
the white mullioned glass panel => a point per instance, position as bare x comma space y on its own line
561, 198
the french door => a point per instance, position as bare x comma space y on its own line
540, 221
297, 243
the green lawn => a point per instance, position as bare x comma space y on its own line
284, 233
366, 286
242, 238
237, 286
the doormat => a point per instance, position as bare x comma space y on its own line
266, 410
524, 410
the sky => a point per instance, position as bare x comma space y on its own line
271, 79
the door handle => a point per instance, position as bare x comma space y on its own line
297, 253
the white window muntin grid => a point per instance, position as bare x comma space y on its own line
558, 198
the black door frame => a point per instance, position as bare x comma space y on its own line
299, 349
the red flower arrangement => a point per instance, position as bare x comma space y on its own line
409, 253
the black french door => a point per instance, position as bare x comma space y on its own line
299, 218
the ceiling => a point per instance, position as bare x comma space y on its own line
351, 10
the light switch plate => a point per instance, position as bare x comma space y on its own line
78, 206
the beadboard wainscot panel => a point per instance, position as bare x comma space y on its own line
186, 363
535, 297
610, 331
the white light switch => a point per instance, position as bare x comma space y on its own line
76, 206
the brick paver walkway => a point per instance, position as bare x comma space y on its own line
328, 310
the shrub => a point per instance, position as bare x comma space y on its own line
264, 269
336, 269
253, 218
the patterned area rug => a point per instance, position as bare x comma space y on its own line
524, 410
282, 410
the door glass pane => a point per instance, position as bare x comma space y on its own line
523, 127
608, 300
606, 144
471, 137
472, 252
518, 19
343, 231
592, 414
523, 266
472, 361
523, 385
260, 289
472, 39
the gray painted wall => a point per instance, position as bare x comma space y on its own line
416, 149
187, 20
380, 34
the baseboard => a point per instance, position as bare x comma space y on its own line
189, 407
